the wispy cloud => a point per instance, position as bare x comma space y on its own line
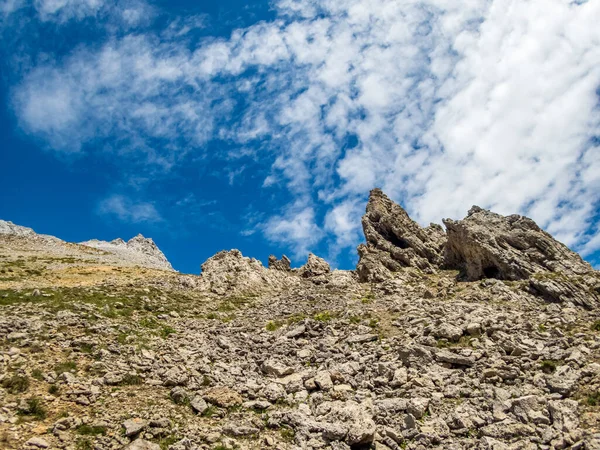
127, 210
295, 228
128, 13
442, 103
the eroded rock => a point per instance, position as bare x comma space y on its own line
394, 241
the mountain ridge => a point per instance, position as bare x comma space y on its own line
483, 336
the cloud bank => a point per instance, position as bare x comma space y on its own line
443, 104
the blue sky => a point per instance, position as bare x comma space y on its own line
263, 126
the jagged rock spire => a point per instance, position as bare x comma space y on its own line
394, 241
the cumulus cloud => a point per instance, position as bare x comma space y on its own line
443, 104
127, 210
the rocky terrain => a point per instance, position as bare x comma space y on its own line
485, 335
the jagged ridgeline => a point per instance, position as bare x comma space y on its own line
483, 245
482, 334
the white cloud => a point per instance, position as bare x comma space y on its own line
296, 228
67, 9
126, 210
124, 14
451, 103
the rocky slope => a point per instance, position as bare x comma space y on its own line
138, 250
484, 336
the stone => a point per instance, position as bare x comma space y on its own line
448, 331
417, 406
564, 414
274, 392
179, 395
175, 376
347, 421
141, 444
362, 338
400, 377
198, 404
489, 245
223, 397
134, 426
394, 241
277, 368
282, 264
314, 267
323, 381
453, 358
38, 442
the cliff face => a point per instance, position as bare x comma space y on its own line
483, 336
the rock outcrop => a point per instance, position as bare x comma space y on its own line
282, 264
8, 228
231, 272
314, 267
138, 249
489, 245
483, 245
394, 241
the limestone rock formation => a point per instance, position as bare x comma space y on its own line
489, 245
483, 245
231, 272
282, 264
314, 267
138, 249
98, 353
394, 241
7, 227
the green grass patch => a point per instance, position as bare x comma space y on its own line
16, 384
273, 325
65, 366
287, 433
166, 442
593, 399
131, 380
167, 331
549, 365
296, 318
35, 409
89, 430
324, 316
209, 412
83, 444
